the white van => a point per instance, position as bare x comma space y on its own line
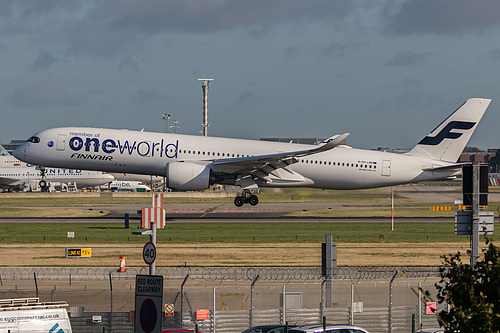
29, 315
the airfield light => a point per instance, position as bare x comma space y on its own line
166, 117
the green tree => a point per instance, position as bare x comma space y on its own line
473, 295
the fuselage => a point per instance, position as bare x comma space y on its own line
149, 153
83, 178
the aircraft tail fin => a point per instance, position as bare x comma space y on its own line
447, 141
3, 152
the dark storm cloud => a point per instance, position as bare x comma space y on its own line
249, 98
105, 28
450, 17
43, 61
41, 94
210, 16
129, 65
493, 54
407, 59
145, 96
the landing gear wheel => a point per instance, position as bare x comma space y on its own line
238, 201
42, 183
254, 200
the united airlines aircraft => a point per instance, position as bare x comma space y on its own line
195, 162
30, 177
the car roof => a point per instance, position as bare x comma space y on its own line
269, 326
319, 328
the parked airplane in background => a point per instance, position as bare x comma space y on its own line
130, 185
28, 178
7, 160
195, 162
147, 179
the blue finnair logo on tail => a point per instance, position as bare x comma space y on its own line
446, 133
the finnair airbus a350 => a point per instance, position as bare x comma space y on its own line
195, 163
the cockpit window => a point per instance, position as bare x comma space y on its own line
34, 139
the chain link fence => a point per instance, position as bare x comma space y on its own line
381, 299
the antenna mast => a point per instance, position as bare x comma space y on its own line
204, 88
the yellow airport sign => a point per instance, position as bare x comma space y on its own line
78, 253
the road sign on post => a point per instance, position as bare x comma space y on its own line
148, 303
149, 253
169, 310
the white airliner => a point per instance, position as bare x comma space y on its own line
27, 178
195, 162
7, 160
129, 185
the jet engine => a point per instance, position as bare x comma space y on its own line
184, 176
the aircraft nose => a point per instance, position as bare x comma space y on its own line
20, 152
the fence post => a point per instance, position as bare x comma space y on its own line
390, 301
213, 317
322, 304
420, 305
251, 300
283, 320
351, 312
182, 300
36, 284
111, 289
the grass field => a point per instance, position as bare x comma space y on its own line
222, 233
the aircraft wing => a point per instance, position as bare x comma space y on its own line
262, 166
9, 181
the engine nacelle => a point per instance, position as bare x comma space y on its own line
185, 176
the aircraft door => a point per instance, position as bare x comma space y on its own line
61, 142
386, 167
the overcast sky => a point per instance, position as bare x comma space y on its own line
386, 71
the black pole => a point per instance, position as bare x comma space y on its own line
36, 284
111, 288
126, 220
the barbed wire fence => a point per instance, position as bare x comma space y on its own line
216, 273
227, 292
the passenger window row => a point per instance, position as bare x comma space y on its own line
357, 165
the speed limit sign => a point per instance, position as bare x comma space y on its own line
149, 253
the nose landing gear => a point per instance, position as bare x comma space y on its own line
43, 182
246, 197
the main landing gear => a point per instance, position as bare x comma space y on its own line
246, 197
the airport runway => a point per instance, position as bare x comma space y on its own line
208, 212
223, 213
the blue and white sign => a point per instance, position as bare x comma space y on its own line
148, 303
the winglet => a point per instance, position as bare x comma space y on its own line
332, 142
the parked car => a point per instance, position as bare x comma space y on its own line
269, 329
329, 328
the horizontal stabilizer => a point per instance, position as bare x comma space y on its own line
447, 168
